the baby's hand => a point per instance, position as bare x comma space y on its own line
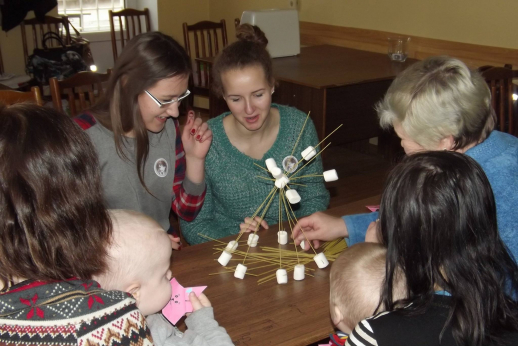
198, 302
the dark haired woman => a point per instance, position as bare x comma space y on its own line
253, 131
438, 221
144, 158
54, 230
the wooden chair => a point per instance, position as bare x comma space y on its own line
500, 82
206, 44
131, 25
58, 25
9, 97
83, 89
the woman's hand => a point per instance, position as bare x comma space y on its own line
318, 227
196, 138
251, 225
176, 243
372, 235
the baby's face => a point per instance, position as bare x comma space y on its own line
155, 289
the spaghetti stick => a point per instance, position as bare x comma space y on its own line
261, 167
316, 146
257, 212
300, 134
262, 217
265, 178
307, 163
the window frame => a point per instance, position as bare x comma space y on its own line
116, 5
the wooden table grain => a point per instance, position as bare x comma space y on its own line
268, 314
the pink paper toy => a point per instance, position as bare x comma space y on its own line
179, 304
373, 207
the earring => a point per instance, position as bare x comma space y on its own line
273, 90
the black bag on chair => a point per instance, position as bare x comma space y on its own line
60, 62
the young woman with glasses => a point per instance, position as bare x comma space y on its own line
143, 155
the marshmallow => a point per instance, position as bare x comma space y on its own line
321, 260
224, 258
252, 240
231, 246
299, 272
240, 271
308, 153
270, 164
282, 181
276, 172
282, 237
330, 175
303, 245
282, 276
293, 196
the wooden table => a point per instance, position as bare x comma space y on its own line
268, 314
338, 85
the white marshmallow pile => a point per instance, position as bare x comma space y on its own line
240, 271
224, 258
299, 272
252, 240
282, 276
282, 237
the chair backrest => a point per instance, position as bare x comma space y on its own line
206, 43
83, 89
130, 25
500, 82
9, 97
59, 25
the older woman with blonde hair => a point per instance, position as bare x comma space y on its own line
438, 104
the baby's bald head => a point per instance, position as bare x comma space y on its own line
137, 240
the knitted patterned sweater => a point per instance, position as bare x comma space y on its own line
233, 189
70, 312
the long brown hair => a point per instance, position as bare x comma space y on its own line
248, 50
53, 222
146, 59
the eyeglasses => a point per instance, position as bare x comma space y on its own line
166, 103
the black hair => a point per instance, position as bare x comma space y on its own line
438, 221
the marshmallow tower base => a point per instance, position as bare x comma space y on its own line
282, 276
252, 240
270, 164
299, 272
293, 196
308, 153
231, 246
224, 258
240, 271
321, 260
282, 237
330, 175
281, 182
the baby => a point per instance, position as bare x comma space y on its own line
139, 264
356, 278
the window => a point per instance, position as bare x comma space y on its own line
89, 15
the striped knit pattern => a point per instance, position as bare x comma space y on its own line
72, 312
233, 189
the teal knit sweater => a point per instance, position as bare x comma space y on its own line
233, 189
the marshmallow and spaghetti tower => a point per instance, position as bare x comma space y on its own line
284, 181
